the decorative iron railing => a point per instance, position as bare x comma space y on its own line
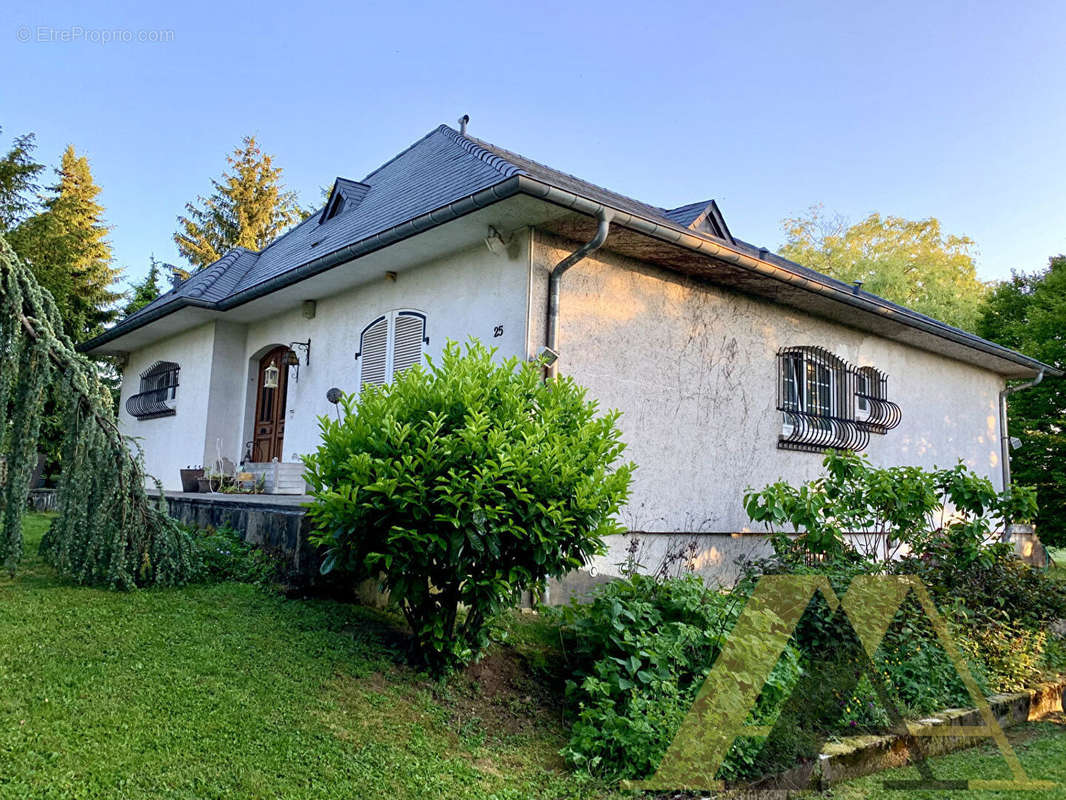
884, 414
815, 433
154, 403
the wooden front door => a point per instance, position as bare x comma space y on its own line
270, 409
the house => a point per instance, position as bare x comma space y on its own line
733, 367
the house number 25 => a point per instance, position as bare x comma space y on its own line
497, 332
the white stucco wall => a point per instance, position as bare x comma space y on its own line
693, 369
472, 293
174, 442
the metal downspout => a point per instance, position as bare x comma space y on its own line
1004, 439
555, 278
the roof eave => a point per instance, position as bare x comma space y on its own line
719, 250
541, 190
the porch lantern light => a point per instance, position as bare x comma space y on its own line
270, 376
292, 360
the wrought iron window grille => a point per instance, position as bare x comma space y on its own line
158, 392
826, 403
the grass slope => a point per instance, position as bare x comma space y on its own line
225, 691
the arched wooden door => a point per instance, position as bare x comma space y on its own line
270, 405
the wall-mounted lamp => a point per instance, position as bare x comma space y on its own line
293, 360
495, 241
270, 376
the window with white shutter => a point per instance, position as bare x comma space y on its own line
373, 352
389, 345
410, 330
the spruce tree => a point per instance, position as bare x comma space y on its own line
18, 182
143, 293
248, 207
66, 246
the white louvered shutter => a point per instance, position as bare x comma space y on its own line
373, 353
407, 341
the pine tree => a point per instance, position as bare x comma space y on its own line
248, 208
143, 293
18, 182
66, 246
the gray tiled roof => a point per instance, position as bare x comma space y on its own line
686, 215
439, 168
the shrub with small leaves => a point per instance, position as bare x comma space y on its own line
461, 485
225, 556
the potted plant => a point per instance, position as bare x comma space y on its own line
190, 479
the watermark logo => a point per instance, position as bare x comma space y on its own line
77, 33
770, 617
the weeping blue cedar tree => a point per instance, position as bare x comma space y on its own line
108, 531
461, 485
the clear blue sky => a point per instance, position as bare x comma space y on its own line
953, 110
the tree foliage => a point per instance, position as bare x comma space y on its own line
19, 172
1028, 313
462, 485
65, 244
108, 532
143, 293
248, 207
910, 262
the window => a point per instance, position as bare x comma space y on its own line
815, 401
158, 392
826, 403
389, 345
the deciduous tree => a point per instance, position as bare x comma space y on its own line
1028, 313
910, 262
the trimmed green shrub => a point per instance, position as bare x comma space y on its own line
462, 485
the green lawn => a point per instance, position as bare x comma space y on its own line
226, 691
1041, 747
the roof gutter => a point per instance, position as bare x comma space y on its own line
1004, 438
555, 279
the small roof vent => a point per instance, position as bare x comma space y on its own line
345, 195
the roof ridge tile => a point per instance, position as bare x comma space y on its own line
473, 146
